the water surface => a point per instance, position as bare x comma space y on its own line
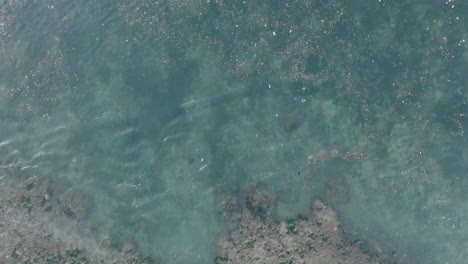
158, 109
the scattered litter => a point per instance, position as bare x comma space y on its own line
203, 167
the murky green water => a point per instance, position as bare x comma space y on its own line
158, 109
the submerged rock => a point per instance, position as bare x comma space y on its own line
259, 200
313, 239
33, 228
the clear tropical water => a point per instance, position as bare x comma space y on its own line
158, 109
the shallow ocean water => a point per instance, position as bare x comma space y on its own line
158, 109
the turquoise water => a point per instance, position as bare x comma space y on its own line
159, 109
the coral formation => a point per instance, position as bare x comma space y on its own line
36, 228
312, 239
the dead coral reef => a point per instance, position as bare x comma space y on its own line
307, 240
40, 223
